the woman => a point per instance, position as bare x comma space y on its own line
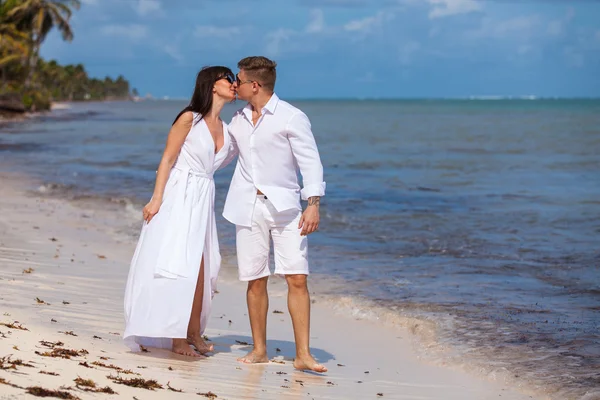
174, 270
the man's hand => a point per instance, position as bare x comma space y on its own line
309, 221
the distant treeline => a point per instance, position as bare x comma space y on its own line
26, 78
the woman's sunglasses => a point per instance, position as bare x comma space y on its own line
230, 78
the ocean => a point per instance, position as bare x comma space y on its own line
475, 223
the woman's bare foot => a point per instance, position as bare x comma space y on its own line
180, 346
308, 363
200, 344
254, 357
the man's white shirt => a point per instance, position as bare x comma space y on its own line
270, 155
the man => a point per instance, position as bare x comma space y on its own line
273, 140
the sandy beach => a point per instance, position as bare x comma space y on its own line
61, 285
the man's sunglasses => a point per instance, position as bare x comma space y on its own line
241, 82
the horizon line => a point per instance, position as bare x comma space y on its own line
459, 98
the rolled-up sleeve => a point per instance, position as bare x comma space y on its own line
307, 156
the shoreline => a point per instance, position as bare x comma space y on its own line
15, 117
86, 267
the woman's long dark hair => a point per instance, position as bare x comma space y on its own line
202, 98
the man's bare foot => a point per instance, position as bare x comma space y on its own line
200, 344
180, 346
254, 357
308, 363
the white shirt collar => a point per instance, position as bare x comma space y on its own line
269, 107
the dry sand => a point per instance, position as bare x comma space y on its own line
62, 273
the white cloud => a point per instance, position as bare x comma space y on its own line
558, 27
555, 28
146, 7
525, 49
407, 51
132, 32
368, 77
368, 24
446, 8
521, 26
215, 31
174, 52
276, 39
574, 57
317, 21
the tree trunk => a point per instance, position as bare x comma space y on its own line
33, 60
3, 87
3, 68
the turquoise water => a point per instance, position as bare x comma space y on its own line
482, 216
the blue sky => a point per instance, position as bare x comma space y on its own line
346, 48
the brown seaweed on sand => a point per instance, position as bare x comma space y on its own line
380, 394
41, 392
14, 325
242, 342
40, 301
118, 369
70, 333
7, 363
28, 270
277, 312
5, 382
96, 337
173, 389
85, 364
149, 384
49, 373
210, 395
79, 381
89, 385
59, 352
51, 345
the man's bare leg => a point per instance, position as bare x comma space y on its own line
299, 307
258, 306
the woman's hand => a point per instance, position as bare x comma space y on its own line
150, 210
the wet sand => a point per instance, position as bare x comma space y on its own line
62, 276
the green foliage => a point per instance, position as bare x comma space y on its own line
36, 100
24, 24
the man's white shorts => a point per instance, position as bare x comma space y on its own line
289, 248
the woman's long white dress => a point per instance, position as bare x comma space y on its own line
166, 263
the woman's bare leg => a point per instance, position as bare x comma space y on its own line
193, 333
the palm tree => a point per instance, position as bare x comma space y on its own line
40, 16
13, 49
